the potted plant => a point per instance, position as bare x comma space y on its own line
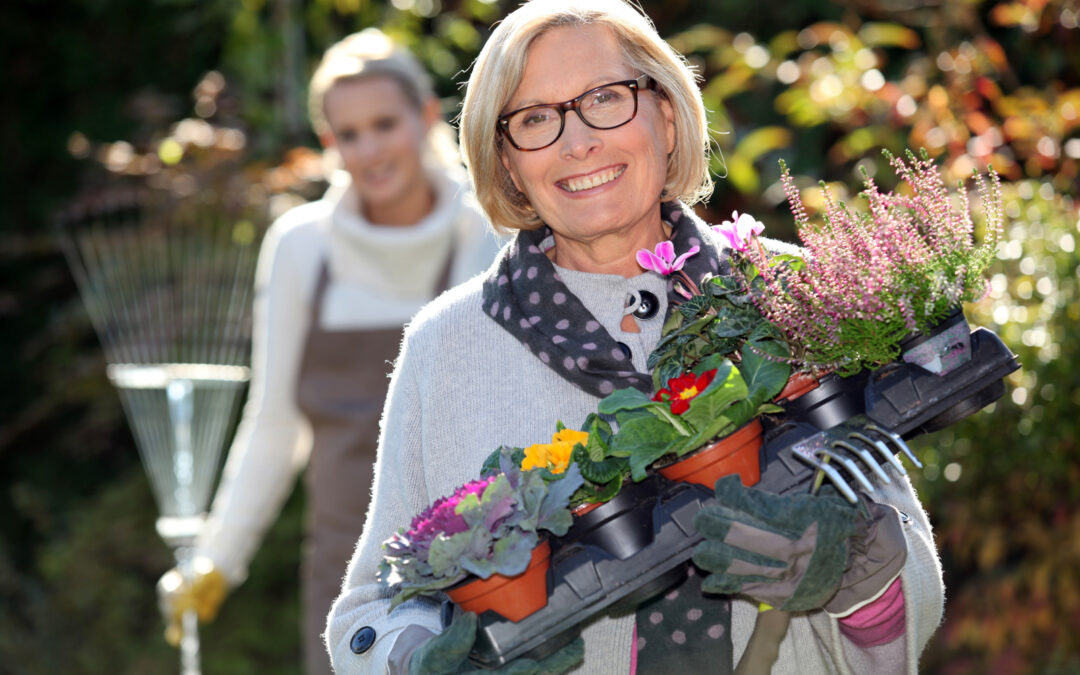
870, 279
610, 512
487, 535
713, 402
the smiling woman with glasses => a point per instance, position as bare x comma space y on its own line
585, 134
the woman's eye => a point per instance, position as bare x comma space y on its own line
386, 123
346, 136
535, 118
603, 96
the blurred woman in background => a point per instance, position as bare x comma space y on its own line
336, 281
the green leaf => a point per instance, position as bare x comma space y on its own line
511, 554
764, 377
735, 321
597, 471
624, 399
726, 389
693, 307
643, 436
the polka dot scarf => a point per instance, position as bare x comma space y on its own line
526, 297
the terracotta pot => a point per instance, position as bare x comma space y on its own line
515, 597
738, 452
798, 384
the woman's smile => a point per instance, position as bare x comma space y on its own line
590, 181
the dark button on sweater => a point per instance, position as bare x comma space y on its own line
362, 640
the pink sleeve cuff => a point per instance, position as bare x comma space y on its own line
879, 622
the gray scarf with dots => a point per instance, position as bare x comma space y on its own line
525, 296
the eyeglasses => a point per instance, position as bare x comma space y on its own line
605, 107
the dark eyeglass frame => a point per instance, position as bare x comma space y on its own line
640, 82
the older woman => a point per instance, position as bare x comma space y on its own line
585, 132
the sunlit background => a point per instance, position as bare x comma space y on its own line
188, 96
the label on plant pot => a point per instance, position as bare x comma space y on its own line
944, 352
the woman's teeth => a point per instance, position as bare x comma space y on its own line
593, 180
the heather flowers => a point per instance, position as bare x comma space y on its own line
486, 526
870, 277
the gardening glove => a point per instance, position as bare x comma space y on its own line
204, 593
798, 552
447, 654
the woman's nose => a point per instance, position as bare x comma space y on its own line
578, 139
368, 145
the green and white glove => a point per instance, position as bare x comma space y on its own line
447, 654
798, 552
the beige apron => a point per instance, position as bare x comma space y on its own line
341, 389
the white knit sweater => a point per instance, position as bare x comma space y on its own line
379, 277
462, 387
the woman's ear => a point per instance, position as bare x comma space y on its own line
431, 112
668, 113
510, 170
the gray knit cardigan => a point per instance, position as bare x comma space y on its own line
461, 387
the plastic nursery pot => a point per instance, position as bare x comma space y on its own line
946, 347
621, 526
515, 597
798, 384
738, 452
835, 400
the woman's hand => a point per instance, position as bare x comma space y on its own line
798, 552
203, 593
447, 653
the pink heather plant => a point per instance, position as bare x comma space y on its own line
870, 278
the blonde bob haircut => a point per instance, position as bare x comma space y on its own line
497, 74
368, 53
371, 53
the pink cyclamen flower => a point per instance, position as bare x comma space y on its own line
663, 260
736, 232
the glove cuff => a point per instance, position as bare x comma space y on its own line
876, 560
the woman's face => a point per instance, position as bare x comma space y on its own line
380, 134
630, 162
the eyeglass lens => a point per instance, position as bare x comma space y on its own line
602, 108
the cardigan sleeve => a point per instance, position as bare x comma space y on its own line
399, 494
273, 440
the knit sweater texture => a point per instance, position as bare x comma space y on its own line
461, 387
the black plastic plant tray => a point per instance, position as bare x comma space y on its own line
909, 400
585, 579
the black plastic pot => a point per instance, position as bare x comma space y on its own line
834, 401
622, 526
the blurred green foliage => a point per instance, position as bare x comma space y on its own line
182, 94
